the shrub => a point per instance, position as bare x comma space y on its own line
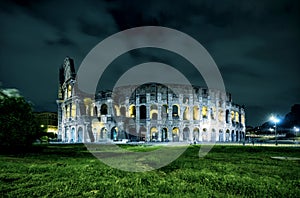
18, 127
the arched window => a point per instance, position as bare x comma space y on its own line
227, 116
175, 111
143, 112
69, 91
237, 116
103, 132
227, 135
153, 112
132, 111
221, 139
142, 99
116, 111
153, 134
204, 135
232, 135
114, 133
185, 100
232, 116
154, 116
142, 133
164, 134
213, 113
196, 134
103, 109
95, 111
243, 120
175, 134
73, 110
221, 115
164, 111
204, 112
80, 135
186, 132
196, 113
186, 114
213, 135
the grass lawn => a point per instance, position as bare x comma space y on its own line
227, 171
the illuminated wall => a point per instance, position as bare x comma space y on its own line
195, 113
204, 112
152, 110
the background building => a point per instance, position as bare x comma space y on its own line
47, 121
150, 112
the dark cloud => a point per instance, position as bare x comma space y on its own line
254, 43
238, 70
60, 41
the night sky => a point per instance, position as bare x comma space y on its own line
255, 44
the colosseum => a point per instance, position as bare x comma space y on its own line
151, 112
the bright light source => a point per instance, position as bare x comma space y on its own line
274, 119
296, 129
42, 125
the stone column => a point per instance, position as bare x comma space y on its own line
137, 113
217, 135
180, 134
76, 134
137, 129
159, 133
191, 131
200, 134
181, 109
170, 134
148, 132
158, 111
70, 112
170, 112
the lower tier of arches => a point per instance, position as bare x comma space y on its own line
85, 133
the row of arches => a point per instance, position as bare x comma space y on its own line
72, 135
175, 135
165, 134
80, 135
102, 111
187, 114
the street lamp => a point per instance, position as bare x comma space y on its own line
296, 129
275, 120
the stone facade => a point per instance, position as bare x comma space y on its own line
150, 112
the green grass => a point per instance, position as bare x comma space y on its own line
227, 171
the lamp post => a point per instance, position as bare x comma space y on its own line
275, 120
296, 129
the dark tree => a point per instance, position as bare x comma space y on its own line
18, 127
292, 118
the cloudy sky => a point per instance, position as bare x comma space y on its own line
254, 43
